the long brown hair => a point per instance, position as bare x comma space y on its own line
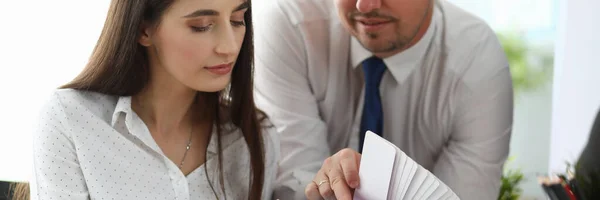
18, 191
119, 65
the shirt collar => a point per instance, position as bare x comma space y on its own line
124, 119
123, 106
212, 144
401, 64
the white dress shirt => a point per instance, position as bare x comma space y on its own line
447, 101
94, 146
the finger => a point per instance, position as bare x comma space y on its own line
358, 156
323, 181
312, 191
338, 183
350, 164
336, 174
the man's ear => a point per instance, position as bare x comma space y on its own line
146, 35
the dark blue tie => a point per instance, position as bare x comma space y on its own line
372, 117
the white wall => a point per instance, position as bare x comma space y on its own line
576, 95
43, 44
512, 14
530, 141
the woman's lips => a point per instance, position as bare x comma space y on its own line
220, 69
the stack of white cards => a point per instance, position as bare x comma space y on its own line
388, 173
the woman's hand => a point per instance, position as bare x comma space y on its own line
337, 178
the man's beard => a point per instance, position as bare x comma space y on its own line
399, 43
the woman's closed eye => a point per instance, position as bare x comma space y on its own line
208, 27
238, 23
201, 28
237, 19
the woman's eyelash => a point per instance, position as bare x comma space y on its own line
206, 28
238, 23
201, 28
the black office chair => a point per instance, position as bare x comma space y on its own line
587, 169
4, 190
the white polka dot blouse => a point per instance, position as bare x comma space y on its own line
93, 146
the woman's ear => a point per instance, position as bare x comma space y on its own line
146, 35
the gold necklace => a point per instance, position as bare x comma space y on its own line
187, 147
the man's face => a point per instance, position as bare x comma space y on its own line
383, 26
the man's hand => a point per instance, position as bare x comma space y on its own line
337, 178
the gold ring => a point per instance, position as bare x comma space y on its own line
321, 183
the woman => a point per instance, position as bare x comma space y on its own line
163, 110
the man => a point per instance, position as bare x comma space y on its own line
426, 75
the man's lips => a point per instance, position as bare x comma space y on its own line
372, 24
372, 21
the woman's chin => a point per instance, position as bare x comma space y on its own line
212, 87
208, 84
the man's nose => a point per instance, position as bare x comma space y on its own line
366, 6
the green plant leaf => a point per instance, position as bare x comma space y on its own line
530, 66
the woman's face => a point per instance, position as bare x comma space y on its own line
196, 43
